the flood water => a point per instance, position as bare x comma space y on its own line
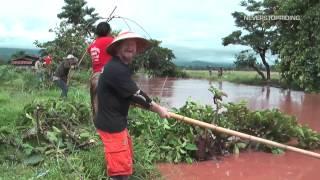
250, 165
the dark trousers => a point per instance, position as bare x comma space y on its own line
63, 86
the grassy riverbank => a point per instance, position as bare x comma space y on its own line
243, 77
61, 158
20, 88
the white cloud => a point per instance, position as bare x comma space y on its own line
175, 22
188, 23
23, 22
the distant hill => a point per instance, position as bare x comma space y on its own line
6, 53
202, 64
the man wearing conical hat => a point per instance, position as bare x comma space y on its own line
116, 90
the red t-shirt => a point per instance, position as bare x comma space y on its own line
98, 52
47, 60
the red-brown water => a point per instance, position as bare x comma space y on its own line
249, 165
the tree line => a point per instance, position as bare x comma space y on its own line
76, 31
288, 29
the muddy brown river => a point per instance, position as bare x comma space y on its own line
249, 165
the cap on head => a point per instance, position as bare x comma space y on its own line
142, 43
71, 58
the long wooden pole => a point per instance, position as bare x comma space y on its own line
241, 135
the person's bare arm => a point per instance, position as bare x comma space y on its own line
162, 111
143, 100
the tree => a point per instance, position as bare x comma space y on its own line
67, 41
257, 34
18, 54
76, 13
157, 61
298, 42
247, 59
73, 32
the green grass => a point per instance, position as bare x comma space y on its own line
244, 77
19, 88
23, 89
84, 164
79, 165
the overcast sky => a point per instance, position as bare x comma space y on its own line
193, 24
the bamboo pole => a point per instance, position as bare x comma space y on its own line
85, 52
242, 135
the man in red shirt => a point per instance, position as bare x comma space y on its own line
47, 60
47, 64
99, 57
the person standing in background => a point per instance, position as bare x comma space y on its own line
60, 76
38, 67
99, 57
47, 60
48, 65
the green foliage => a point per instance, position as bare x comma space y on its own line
18, 54
256, 34
217, 97
243, 59
168, 140
5, 132
73, 32
298, 43
151, 131
79, 15
307, 137
295, 41
157, 61
19, 148
7, 73
85, 165
54, 149
53, 126
68, 41
33, 160
242, 77
6, 53
155, 139
79, 77
22, 79
144, 167
247, 59
202, 65
269, 124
